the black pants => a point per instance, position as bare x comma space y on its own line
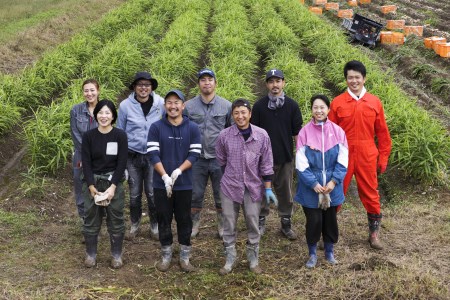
180, 206
321, 222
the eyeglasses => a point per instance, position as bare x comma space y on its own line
144, 85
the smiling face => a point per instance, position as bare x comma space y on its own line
90, 93
320, 110
174, 107
207, 85
355, 81
105, 117
275, 86
143, 89
241, 116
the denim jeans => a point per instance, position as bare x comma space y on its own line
180, 206
77, 182
201, 171
140, 172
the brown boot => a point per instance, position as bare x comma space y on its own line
374, 231
185, 254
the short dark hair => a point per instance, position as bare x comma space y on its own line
241, 102
321, 97
110, 105
356, 66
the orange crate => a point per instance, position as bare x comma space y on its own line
444, 49
437, 41
302, 1
386, 37
345, 13
389, 9
428, 42
319, 2
315, 10
364, 1
398, 38
352, 3
332, 6
417, 30
395, 24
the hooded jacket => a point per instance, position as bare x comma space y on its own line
172, 145
131, 119
322, 155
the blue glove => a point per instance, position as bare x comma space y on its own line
270, 196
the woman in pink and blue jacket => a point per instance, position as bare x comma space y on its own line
321, 165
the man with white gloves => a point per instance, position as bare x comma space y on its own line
173, 146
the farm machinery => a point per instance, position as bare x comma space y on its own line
363, 30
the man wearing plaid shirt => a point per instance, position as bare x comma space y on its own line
245, 154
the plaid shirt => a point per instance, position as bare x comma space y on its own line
245, 162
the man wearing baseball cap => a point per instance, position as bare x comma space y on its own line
137, 113
173, 147
280, 116
212, 114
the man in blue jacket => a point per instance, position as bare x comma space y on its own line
174, 145
136, 114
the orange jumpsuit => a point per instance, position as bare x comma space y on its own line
362, 121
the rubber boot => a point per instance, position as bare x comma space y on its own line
252, 257
374, 230
329, 253
286, 228
185, 254
134, 230
312, 261
195, 223
220, 224
116, 250
166, 258
91, 250
262, 225
230, 260
154, 232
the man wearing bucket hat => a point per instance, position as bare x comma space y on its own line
280, 116
212, 114
173, 146
137, 113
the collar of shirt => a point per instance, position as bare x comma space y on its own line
363, 92
208, 103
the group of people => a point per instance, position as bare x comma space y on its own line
170, 148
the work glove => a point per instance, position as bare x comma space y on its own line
168, 184
270, 197
381, 167
102, 199
177, 172
324, 201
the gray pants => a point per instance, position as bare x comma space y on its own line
230, 210
282, 186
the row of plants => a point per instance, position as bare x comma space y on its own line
48, 133
420, 143
232, 54
43, 81
280, 46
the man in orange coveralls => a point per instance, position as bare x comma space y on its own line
361, 115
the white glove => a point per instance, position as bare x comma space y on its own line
168, 184
324, 201
102, 199
177, 172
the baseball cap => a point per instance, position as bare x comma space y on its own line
144, 75
274, 73
176, 92
206, 72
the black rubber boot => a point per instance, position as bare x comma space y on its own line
116, 250
91, 250
286, 228
374, 231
